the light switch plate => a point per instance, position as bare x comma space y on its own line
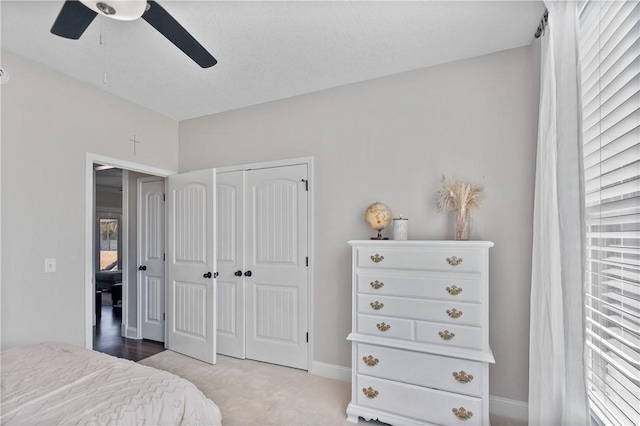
50, 265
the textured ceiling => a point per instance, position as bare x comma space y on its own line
265, 50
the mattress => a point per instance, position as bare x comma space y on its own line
56, 383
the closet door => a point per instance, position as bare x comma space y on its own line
276, 275
191, 258
230, 252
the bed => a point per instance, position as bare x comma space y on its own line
56, 383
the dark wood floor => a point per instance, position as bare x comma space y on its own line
107, 339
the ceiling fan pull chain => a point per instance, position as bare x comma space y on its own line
103, 46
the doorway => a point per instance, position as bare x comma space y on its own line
114, 208
111, 252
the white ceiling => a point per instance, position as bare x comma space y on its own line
265, 50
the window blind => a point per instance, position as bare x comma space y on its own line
610, 60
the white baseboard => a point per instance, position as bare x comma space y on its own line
516, 410
330, 371
131, 333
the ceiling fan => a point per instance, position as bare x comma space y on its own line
75, 16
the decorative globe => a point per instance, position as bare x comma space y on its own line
378, 216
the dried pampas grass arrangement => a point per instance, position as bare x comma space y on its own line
458, 196
461, 198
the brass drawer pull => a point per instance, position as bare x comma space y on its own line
383, 327
370, 360
371, 393
462, 414
454, 313
453, 290
454, 261
377, 305
377, 285
462, 377
377, 258
446, 335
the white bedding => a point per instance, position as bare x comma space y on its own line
55, 383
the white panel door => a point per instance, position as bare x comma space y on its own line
277, 275
191, 316
151, 258
230, 254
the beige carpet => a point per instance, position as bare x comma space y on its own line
256, 393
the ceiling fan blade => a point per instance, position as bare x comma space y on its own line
160, 19
73, 19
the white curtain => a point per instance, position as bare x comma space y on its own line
557, 392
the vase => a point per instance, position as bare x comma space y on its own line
461, 224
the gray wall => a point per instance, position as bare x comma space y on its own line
108, 198
390, 140
49, 123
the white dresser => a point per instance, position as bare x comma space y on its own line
420, 332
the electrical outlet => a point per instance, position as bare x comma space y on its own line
50, 265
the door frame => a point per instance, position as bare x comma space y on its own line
89, 268
310, 232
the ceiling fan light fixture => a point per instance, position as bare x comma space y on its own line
124, 10
105, 8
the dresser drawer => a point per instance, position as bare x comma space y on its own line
443, 288
421, 309
417, 368
423, 404
458, 336
393, 328
420, 258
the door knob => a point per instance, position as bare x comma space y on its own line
142, 268
247, 274
238, 273
207, 275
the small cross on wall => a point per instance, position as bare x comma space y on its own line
135, 142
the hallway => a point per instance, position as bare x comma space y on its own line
107, 338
